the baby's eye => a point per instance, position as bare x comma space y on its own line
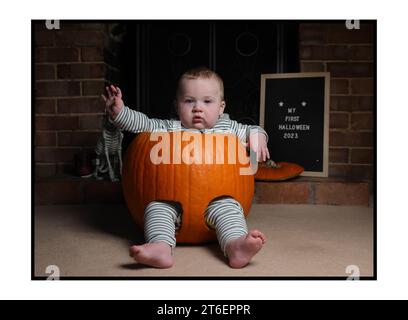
207, 101
188, 101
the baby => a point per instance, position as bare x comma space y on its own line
200, 106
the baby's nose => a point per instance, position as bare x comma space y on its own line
197, 107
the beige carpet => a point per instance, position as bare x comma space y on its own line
303, 240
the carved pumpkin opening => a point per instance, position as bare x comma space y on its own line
179, 209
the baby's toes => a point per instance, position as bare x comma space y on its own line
133, 250
258, 234
255, 233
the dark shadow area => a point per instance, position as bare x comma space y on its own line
215, 250
118, 223
134, 266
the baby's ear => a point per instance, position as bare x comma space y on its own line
223, 105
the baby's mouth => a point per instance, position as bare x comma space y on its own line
197, 119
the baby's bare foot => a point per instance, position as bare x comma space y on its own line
241, 250
157, 254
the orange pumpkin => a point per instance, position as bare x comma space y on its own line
279, 171
193, 185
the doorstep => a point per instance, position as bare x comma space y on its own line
301, 190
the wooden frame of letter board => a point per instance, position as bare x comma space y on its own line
325, 75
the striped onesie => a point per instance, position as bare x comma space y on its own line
225, 215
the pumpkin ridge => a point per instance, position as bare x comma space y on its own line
143, 169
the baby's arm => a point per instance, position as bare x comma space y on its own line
255, 136
113, 101
127, 119
135, 121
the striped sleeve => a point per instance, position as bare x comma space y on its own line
135, 121
243, 131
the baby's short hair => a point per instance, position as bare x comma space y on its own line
203, 73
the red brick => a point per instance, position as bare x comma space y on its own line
339, 120
361, 121
351, 139
338, 155
45, 170
351, 103
361, 53
92, 54
44, 72
93, 88
351, 171
66, 169
323, 52
339, 86
340, 34
363, 103
307, 52
57, 88
362, 86
80, 105
81, 71
46, 139
56, 55
312, 34
78, 138
44, 38
363, 156
282, 192
58, 192
56, 122
43, 106
52, 155
339, 193
312, 66
93, 122
350, 69
86, 38
342, 103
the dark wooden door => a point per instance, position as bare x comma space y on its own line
158, 52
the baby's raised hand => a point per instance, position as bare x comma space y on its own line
257, 142
113, 101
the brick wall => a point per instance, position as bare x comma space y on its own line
72, 65
348, 56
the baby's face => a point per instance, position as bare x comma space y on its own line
199, 103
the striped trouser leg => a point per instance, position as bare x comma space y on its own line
160, 219
226, 216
